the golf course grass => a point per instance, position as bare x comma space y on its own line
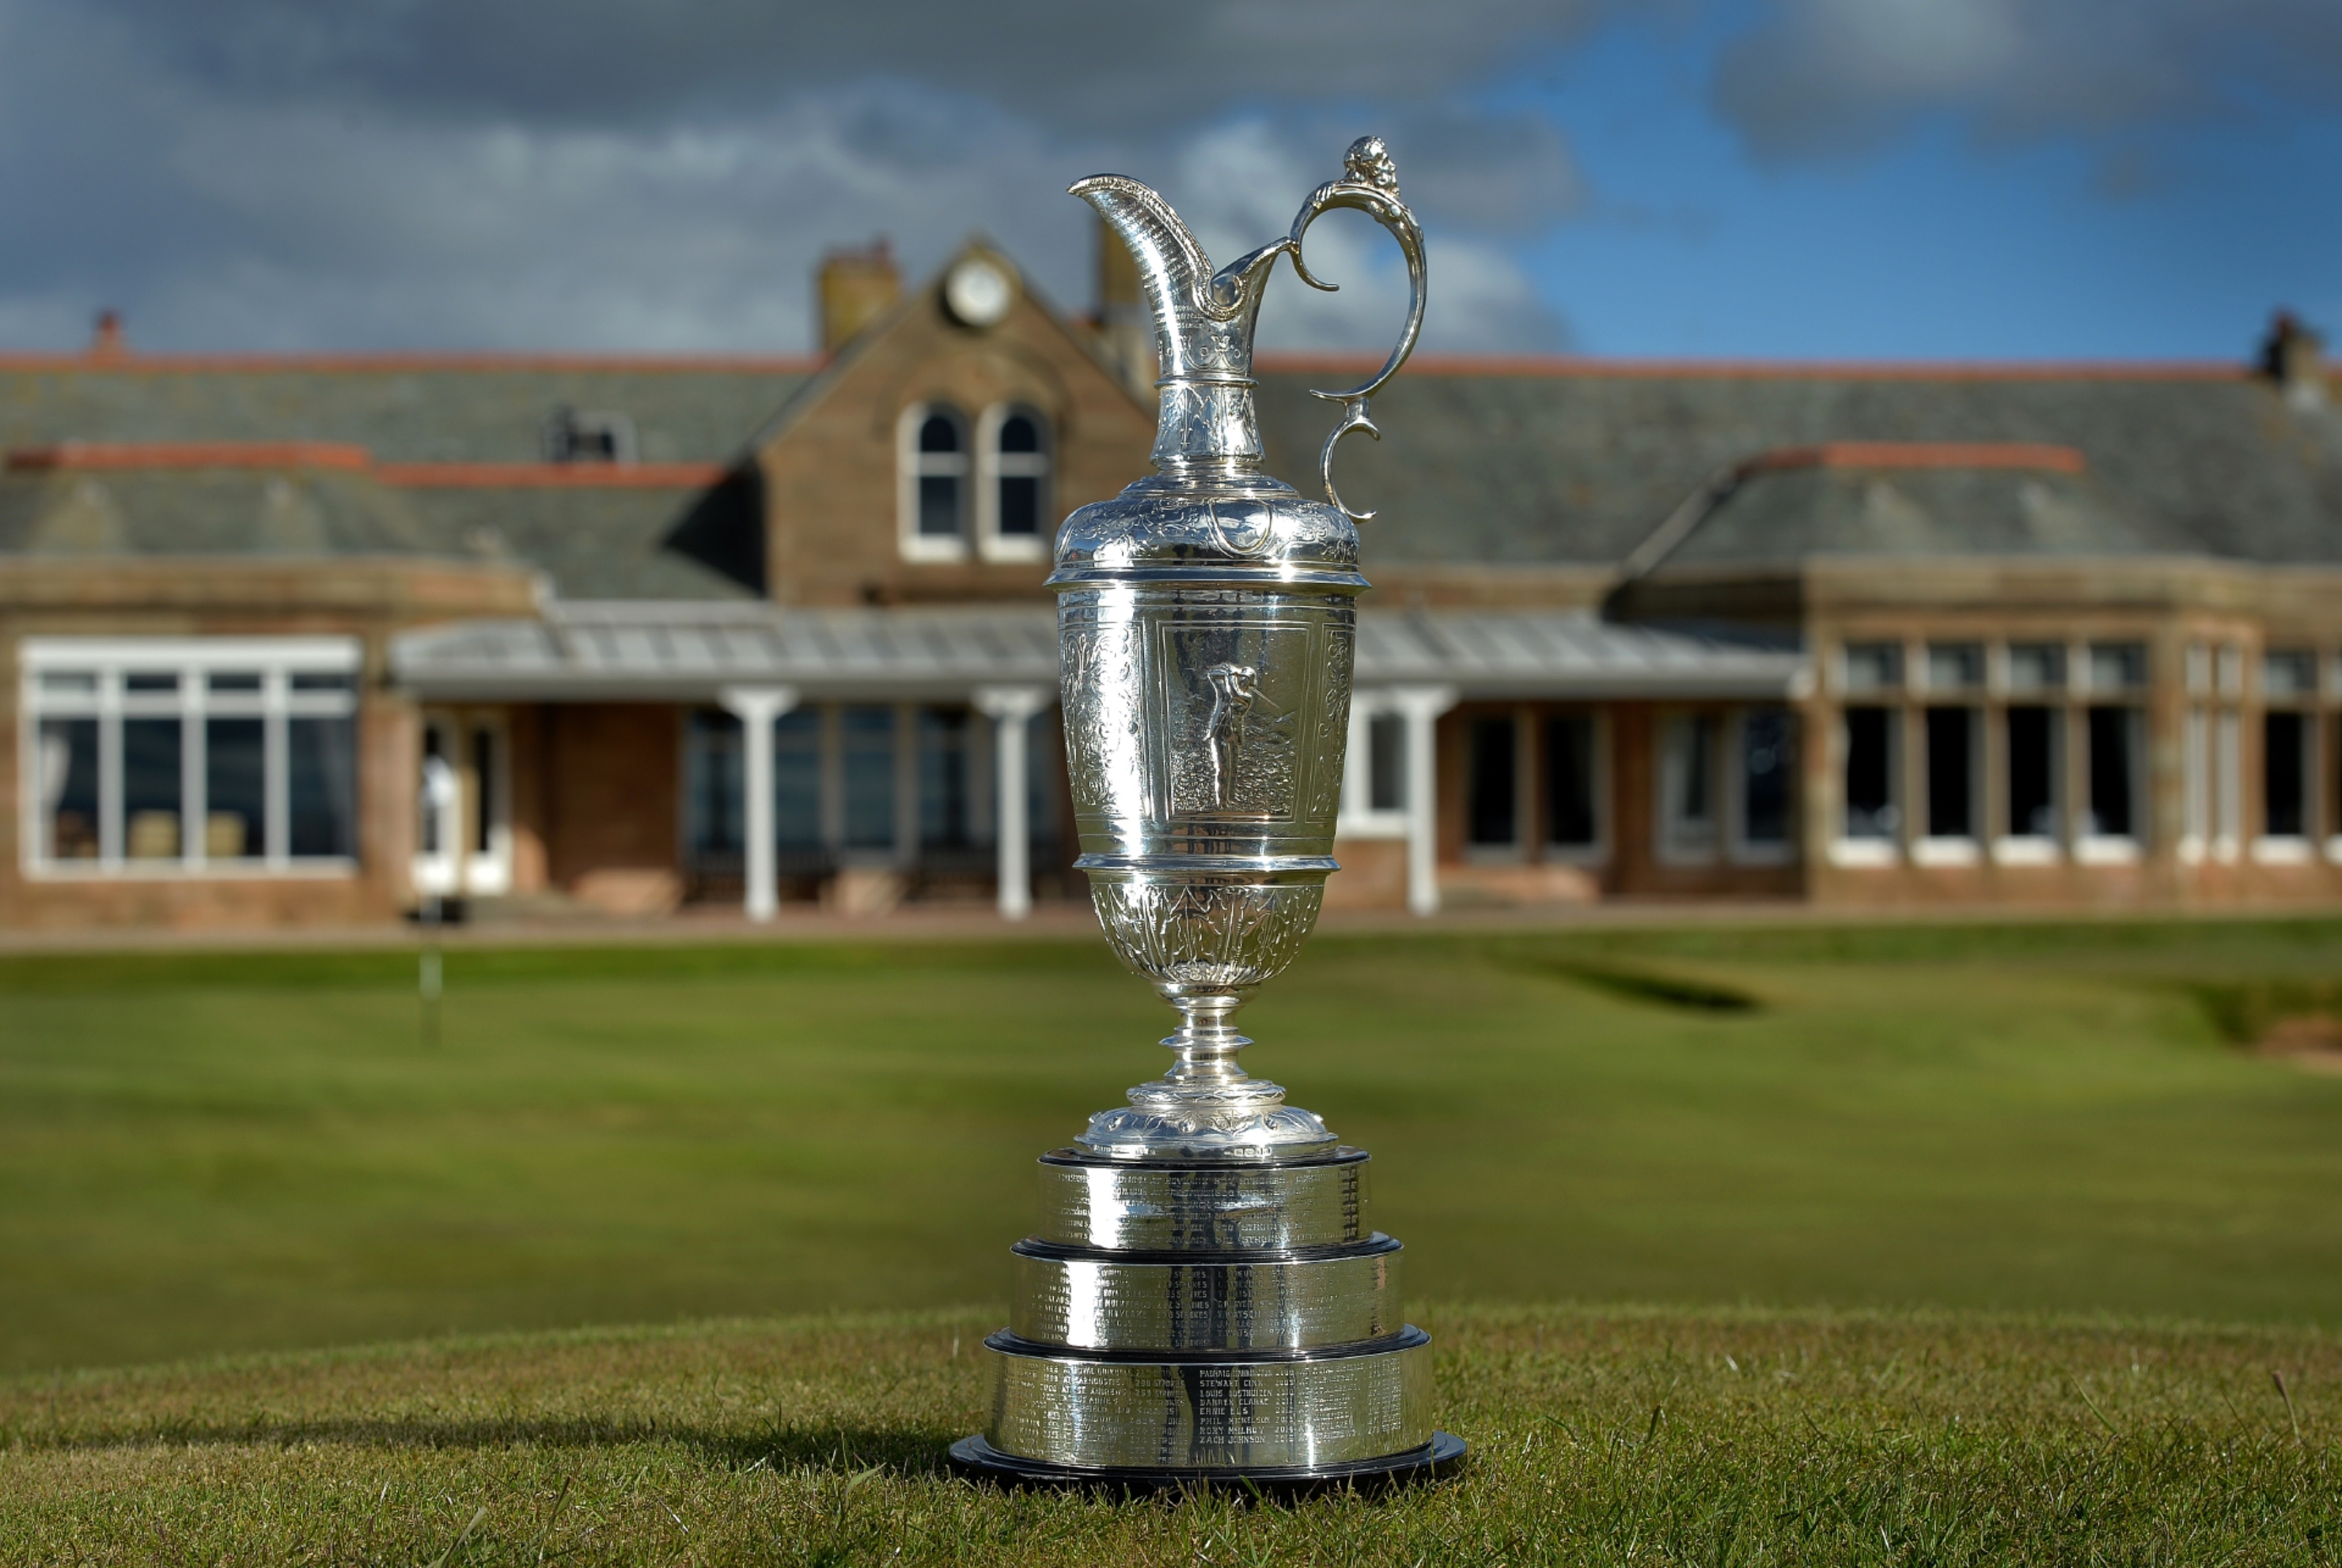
1724, 1436
1948, 1218
203, 1154
261, 1152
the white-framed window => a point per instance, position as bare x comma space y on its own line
2290, 749
488, 849
934, 479
1869, 755
1867, 668
1374, 776
1952, 829
462, 837
439, 813
1765, 797
1871, 780
176, 756
2211, 753
1689, 814
2330, 759
1576, 788
2032, 755
2114, 810
1014, 453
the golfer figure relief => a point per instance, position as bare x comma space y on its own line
1235, 689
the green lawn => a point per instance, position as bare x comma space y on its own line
256, 1152
1726, 1436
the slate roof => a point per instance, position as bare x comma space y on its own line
210, 512
403, 409
639, 542
1782, 516
1554, 462
687, 652
1543, 462
658, 542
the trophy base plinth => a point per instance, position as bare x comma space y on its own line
1199, 1322
1442, 1458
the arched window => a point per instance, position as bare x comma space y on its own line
933, 447
1014, 479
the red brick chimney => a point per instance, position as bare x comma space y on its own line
857, 287
106, 342
2295, 358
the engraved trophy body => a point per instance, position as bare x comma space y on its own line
1203, 1299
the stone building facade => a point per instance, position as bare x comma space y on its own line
313, 640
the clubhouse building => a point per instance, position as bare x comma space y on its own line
311, 639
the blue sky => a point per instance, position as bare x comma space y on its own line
1938, 241
1838, 179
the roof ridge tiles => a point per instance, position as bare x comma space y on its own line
349, 457
125, 454
1287, 362
418, 360
1560, 365
2028, 454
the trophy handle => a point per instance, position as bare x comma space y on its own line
1371, 188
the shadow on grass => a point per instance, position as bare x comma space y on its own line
1636, 985
2247, 1012
910, 1451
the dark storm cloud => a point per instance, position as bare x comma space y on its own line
600, 174
1821, 78
665, 173
1105, 70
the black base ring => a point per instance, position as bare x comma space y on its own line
1443, 1456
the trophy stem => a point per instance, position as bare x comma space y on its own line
1207, 1044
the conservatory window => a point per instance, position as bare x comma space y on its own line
2290, 749
176, 756
1872, 776
1767, 761
2115, 744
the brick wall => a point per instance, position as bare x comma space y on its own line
608, 793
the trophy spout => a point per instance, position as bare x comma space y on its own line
1203, 329
1205, 427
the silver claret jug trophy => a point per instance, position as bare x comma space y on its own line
1204, 1299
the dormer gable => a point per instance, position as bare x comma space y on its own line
935, 454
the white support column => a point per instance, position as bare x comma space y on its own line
1011, 709
756, 707
1422, 706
